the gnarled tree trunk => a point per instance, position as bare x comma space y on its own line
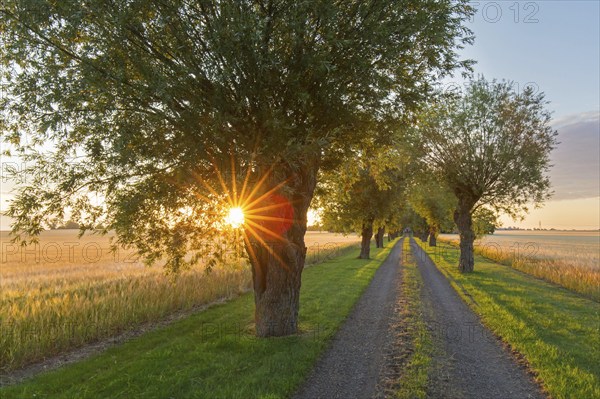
379, 237
365, 243
432, 236
464, 222
275, 244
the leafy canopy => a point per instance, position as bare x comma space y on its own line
491, 145
485, 222
367, 190
432, 200
142, 114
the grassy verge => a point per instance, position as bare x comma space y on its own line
414, 378
557, 331
214, 353
583, 278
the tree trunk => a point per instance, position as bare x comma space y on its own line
366, 234
464, 222
274, 237
379, 237
432, 236
423, 234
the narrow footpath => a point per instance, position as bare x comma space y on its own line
356, 362
469, 361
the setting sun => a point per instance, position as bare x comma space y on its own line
235, 218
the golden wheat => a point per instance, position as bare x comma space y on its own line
66, 292
565, 259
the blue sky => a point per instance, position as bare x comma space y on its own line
554, 44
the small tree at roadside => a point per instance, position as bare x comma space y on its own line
485, 221
491, 146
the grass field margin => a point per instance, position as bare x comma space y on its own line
581, 274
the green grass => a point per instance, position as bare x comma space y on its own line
214, 354
414, 377
577, 271
555, 329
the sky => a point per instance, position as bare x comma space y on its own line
554, 47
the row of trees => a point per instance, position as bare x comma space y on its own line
466, 158
172, 111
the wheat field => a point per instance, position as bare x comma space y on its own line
567, 258
66, 292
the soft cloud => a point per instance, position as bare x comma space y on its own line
576, 171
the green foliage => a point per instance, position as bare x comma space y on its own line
125, 111
410, 218
491, 145
69, 225
433, 201
367, 189
485, 222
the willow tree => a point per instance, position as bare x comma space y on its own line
143, 103
491, 145
434, 202
361, 207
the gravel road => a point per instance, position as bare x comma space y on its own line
470, 362
355, 362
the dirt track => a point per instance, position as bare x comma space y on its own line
470, 362
355, 362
